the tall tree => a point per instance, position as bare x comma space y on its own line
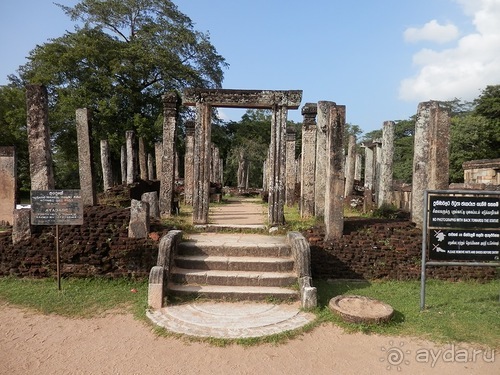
120, 60
13, 128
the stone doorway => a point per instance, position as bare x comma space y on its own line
279, 102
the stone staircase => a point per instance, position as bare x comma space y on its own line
234, 267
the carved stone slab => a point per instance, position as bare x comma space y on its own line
361, 309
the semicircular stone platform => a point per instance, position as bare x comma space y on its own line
230, 320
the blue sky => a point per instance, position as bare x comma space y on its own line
380, 58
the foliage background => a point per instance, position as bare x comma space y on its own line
126, 54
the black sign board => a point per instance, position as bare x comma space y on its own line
461, 227
56, 207
464, 227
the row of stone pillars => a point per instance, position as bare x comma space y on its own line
279, 102
322, 159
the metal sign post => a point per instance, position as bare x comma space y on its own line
56, 207
465, 228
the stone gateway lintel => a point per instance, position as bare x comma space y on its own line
253, 99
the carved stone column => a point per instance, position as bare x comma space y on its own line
189, 163
334, 199
385, 185
308, 167
430, 156
171, 102
85, 157
290, 176
40, 157
202, 157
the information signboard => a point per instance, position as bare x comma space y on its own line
460, 228
464, 227
56, 207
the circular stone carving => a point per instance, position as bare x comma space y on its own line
360, 309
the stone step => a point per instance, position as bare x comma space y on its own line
232, 278
235, 263
271, 249
234, 292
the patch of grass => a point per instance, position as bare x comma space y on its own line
294, 222
386, 211
78, 298
182, 221
455, 312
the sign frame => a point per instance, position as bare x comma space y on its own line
456, 221
56, 207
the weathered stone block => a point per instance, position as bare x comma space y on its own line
139, 219
21, 227
152, 199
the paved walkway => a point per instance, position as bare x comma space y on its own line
239, 213
233, 320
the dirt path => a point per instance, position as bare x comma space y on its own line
32, 343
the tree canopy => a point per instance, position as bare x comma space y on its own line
118, 62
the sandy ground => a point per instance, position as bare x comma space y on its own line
31, 343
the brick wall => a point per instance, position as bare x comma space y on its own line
99, 247
370, 249
380, 249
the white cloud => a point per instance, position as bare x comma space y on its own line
223, 115
461, 71
432, 31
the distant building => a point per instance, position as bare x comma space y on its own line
486, 171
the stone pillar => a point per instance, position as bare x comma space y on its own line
151, 199
130, 135
368, 185
171, 102
350, 166
368, 168
247, 176
21, 226
212, 163
358, 166
308, 167
151, 169
377, 158
123, 164
290, 167
264, 175
221, 171
41, 172
8, 184
158, 154
189, 163
242, 170
143, 168
385, 186
321, 157
138, 226
85, 157
298, 169
176, 172
431, 155
334, 200
202, 156
277, 163
107, 173
215, 165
